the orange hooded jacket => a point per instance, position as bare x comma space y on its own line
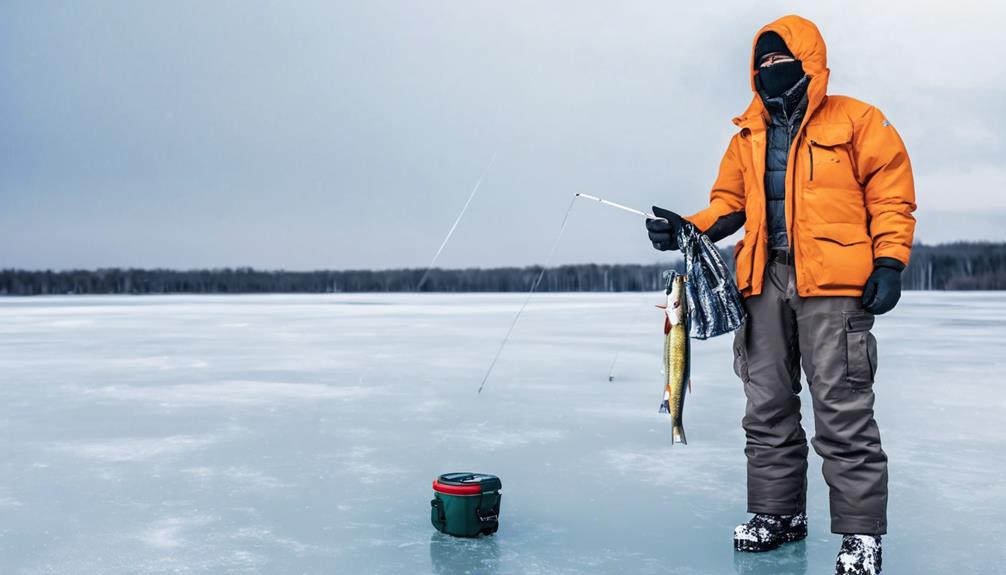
849, 188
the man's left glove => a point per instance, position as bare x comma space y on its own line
883, 289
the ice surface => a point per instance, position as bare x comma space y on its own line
300, 434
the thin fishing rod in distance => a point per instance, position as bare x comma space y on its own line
544, 268
534, 286
454, 226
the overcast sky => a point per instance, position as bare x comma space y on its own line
305, 135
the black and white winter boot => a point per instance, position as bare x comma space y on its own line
860, 555
767, 532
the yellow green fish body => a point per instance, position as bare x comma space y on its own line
677, 356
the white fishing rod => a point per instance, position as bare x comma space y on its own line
646, 215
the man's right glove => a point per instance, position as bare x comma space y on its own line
664, 234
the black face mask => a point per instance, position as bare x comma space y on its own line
777, 78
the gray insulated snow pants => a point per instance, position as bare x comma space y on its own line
831, 337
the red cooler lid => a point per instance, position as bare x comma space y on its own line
466, 483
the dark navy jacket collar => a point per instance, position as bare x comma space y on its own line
789, 104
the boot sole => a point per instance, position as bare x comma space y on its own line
746, 546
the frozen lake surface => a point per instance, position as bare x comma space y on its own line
300, 434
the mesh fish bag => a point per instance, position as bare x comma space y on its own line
715, 306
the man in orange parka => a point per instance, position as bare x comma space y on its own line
823, 187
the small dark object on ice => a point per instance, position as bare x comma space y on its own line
767, 532
860, 555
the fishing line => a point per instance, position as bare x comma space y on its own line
548, 260
611, 370
541, 274
625, 338
454, 226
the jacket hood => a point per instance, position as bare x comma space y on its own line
804, 40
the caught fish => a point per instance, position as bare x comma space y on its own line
677, 353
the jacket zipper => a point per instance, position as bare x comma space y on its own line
789, 239
810, 149
791, 244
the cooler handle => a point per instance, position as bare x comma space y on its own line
492, 517
437, 515
494, 511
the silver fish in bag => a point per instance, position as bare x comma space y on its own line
715, 305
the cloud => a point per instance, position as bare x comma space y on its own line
295, 136
963, 189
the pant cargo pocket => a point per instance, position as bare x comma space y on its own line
861, 349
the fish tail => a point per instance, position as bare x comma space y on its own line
678, 434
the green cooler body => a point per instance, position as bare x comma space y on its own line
466, 504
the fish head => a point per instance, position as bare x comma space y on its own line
677, 307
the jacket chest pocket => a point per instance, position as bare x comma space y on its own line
828, 148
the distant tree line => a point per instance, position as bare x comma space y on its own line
957, 266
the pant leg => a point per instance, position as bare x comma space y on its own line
839, 358
767, 360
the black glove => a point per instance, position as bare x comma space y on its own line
883, 289
664, 234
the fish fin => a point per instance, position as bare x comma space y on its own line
678, 435
661, 305
689, 385
665, 407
